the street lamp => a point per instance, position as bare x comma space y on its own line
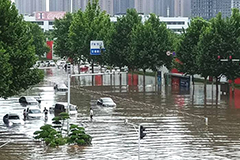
140, 133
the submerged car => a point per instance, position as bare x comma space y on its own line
33, 112
61, 87
12, 119
62, 107
106, 102
28, 100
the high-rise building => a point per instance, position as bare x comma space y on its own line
235, 3
107, 5
210, 8
60, 5
182, 8
30, 6
144, 6
121, 6
164, 8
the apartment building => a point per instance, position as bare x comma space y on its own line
210, 8
30, 6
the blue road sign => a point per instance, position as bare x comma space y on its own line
95, 52
96, 47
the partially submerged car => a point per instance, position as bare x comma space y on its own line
61, 87
12, 119
28, 100
106, 102
33, 112
62, 107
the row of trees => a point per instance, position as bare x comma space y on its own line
204, 41
129, 42
20, 42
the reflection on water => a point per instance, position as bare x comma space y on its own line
173, 117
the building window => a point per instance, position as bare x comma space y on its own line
50, 23
38, 22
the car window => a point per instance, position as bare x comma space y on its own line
33, 103
34, 111
59, 106
107, 100
13, 117
71, 108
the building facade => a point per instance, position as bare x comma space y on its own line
30, 6
165, 8
121, 6
182, 8
46, 20
210, 8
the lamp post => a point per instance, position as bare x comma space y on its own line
139, 132
71, 6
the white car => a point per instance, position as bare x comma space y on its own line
33, 112
12, 119
61, 87
106, 102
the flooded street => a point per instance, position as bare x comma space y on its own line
175, 121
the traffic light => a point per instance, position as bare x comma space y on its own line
230, 58
219, 57
141, 132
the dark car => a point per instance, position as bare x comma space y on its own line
28, 100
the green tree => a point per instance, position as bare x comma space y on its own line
17, 52
39, 40
232, 40
62, 45
92, 24
187, 48
163, 43
220, 39
120, 46
49, 35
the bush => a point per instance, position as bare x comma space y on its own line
53, 138
78, 136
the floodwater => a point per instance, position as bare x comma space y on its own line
180, 124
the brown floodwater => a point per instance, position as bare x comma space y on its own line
175, 121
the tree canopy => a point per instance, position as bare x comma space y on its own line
17, 52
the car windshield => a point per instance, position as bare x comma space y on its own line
33, 103
71, 108
107, 100
34, 111
14, 117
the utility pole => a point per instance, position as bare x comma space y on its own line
71, 6
139, 132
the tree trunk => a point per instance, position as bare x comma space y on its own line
233, 87
205, 91
144, 82
193, 80
193, 92
132, 78
120, 82
92, 72
217, 90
